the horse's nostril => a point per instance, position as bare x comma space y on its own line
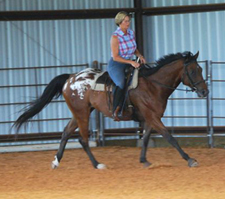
205, 92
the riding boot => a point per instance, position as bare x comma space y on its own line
116, 113
118, 97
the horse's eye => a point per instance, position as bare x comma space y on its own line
192, 72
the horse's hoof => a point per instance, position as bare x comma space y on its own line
192, 163
147, 164
101, 166
55, 163
54, 166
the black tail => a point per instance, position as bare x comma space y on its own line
53, 90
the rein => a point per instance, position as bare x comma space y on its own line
172, 88
194, 89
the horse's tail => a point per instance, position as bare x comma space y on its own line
53, 90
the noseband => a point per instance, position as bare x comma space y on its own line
193, 84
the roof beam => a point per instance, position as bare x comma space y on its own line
60, 14
104, 13
183, 9
139, 25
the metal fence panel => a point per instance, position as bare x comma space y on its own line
218, 94
25, 85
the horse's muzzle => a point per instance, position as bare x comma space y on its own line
202, 93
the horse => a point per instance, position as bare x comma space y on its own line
149, 100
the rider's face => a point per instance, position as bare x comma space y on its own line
125, 23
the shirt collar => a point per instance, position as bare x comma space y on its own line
121, 33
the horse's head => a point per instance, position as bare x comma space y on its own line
192, 75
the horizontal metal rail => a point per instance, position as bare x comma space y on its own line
39, 120
44, 67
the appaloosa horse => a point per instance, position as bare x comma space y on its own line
149, 101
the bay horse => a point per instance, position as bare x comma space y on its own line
149, 101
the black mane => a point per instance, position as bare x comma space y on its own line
146, 70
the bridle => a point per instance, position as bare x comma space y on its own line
192, 83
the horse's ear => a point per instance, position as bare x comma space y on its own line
196, 55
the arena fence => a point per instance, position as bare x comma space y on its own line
98, 130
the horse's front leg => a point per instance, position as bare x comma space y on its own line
147, 133
161, 129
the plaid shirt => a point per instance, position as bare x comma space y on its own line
127, 43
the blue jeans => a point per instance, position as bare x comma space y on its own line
116, 71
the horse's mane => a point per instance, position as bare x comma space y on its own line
147, 70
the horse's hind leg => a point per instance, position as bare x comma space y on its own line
83, 128
68, 130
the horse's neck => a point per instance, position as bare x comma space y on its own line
170, 76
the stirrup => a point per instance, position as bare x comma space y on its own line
119, 115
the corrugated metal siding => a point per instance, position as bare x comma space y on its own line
66, 42
10, 5
61, 42
202, 32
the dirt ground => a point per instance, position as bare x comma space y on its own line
29, 175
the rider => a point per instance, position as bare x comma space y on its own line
123, 47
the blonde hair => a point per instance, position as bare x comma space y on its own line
120, 17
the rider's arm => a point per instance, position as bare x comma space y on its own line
138, 54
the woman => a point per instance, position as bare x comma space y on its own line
123, 48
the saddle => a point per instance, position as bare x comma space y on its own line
105, 83
105, 80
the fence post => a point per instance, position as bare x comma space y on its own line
102, 123
97, 120
209, 103
37, 95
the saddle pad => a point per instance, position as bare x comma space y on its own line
89, 77
134, 82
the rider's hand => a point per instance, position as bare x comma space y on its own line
135, 64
